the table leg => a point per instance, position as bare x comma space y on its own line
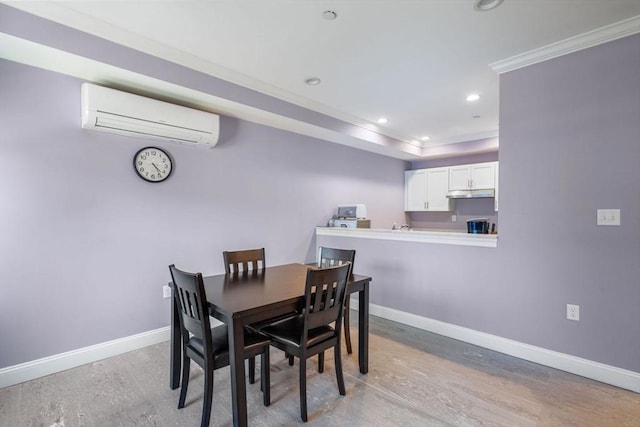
175, 362
238, 383
363, 329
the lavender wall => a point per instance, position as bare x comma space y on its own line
85, 243
570, 144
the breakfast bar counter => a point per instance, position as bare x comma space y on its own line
437, 280
447, 237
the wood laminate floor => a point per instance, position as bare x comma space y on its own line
415, 378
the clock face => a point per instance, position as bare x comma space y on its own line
153, 164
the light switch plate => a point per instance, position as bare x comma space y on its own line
608, 217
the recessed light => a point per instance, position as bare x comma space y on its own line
382, 120
486, 5
313, 81
329, 15
425, 138
473, 97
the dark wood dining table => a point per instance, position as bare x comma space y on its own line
242, 299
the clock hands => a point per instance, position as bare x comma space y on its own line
157, 168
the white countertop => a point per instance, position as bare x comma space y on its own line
448, 237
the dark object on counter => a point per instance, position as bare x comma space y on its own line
493, 228
478, 226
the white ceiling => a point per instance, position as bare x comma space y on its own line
412, 61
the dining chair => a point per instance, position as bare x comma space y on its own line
244, 261
310, 332
329, 257
209, 347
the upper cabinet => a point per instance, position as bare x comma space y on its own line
437, 189
426, 190
415, 190
478, 176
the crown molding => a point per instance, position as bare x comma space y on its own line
605, 34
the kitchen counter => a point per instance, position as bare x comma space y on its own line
447, 237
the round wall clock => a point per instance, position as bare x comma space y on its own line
153, 164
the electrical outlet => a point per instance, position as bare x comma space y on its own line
166, 291
608, 217
454, 218
573, 312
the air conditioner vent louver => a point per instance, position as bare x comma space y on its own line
109, 110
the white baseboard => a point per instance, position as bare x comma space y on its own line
586, 368
59, 362
597, 371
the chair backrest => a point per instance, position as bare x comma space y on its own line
189, 292
325, 292
243, 261
331, 256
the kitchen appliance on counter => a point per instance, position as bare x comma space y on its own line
478, 226
350, 216
352, 211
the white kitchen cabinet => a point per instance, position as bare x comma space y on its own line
426, 190
478, 176
437, 189
415, 190
459, 177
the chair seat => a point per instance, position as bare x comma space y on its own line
290, 330
257, 327
219, 336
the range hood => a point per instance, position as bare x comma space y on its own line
470, 194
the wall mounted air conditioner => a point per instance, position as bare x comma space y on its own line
123, 113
